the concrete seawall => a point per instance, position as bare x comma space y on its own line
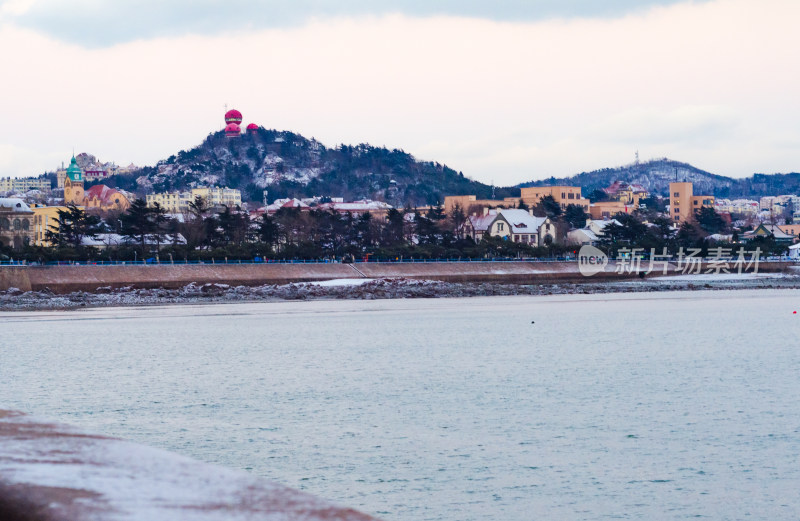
52, 472
65, 279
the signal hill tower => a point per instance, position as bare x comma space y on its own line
233, 122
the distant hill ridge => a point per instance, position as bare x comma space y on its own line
657, 174
289, 165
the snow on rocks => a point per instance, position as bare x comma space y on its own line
388, 288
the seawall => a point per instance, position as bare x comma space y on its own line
53, 472
65, 279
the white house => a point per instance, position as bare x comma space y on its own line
794, 251
520, 226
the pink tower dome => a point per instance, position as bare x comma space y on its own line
233, 116
252, 128
232, 130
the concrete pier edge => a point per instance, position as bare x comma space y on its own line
55, 472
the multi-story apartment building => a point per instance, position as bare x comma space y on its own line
175, 202
216, 196
23, 184
172, 202
564, 195
683, 203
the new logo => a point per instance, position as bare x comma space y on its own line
591, 260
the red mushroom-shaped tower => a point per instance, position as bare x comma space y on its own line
232, 130
252, 128
233, 116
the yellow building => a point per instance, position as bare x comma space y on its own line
175, 202
470, 204
216, 196
172, 202
683, 203
73, 184
101, 197
564, 195
43, 218
608, 209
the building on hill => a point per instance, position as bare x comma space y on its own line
683, 203
172, 202
24, 184
106, 199
16, 223
219, 196
73, 184
626, 193
746, 207
176, 202
563, 195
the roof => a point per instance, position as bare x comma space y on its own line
15, 204
355, 206
588, 233
521, 221
105, 194
481, 223
602, 223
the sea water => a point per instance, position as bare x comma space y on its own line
627, 406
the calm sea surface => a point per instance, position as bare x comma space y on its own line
648, 406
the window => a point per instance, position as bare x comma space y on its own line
676, 194
571, 196
25, 224
17, 224
499, 227
695, 203
677, 210
563, 195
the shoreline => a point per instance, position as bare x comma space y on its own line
369, 289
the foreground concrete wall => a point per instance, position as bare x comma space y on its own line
51, 472
64, 279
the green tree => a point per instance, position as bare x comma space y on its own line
575, 215
72, 225
138, 223
709, 220
548, 206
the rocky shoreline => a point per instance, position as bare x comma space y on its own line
394, 288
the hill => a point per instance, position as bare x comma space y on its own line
655, 175
290, 165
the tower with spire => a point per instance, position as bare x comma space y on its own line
73, 184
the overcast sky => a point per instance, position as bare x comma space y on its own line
503, 91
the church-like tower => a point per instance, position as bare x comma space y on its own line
73, 184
